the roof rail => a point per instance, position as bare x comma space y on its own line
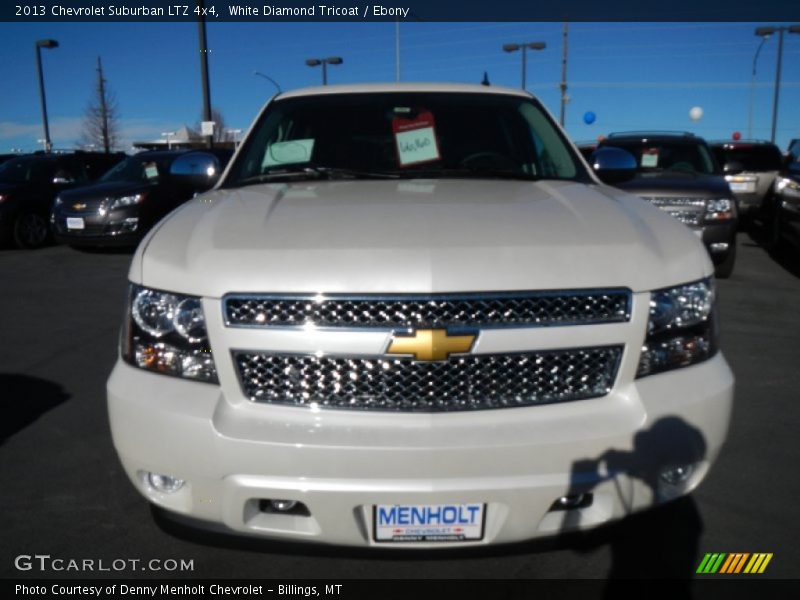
650, 133
742, 141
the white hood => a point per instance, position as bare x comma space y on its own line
417, 236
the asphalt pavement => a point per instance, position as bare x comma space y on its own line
64, 494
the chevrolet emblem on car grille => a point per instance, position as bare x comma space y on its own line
431, 344
79, 206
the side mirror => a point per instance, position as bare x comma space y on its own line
613, 165
197, 170
733, 167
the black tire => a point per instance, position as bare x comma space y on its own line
31, 231
725, 269
774, 237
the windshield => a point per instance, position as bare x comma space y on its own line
25, 170
401, 134
139, 168
751, 157
678, 155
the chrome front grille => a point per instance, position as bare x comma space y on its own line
689, 211
461, 383
496, 309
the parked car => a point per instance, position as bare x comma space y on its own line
30, 183
750, 168
409, 314
784, 214
6, 157
677, 172
127, 201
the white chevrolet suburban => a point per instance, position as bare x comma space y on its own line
411, 315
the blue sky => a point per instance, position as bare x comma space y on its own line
631, 75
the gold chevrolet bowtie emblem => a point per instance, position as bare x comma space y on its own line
79, 206
431, 344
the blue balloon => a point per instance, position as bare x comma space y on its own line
589, 117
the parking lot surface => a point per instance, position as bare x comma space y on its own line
64, 494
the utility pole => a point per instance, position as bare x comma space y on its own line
101, 86
201, 24
563, 86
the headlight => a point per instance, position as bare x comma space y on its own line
719, 209
681, 330
784, 183
126, 201
58, 201
2, 198
166, 333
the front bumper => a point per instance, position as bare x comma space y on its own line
120, 227
719, 239
233, 453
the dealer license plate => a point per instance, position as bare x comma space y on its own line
75, 223
742, 186
428, 522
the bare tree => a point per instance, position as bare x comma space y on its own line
101, 121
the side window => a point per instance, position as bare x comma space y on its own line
75, 168
794, 151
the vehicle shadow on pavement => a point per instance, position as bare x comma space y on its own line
25, 399
104, 250
661, 543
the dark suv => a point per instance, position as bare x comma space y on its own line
127, 201
783, 212
678, 173
30, 183
750, 168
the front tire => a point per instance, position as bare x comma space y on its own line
31, 231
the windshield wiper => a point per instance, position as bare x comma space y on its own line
316, 172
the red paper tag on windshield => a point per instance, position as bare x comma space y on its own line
415, 139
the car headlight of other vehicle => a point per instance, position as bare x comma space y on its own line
719, 209
166, 333
123, 201
784, 183
681, 330
2, 198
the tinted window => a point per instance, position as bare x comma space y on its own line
669, 155
142, 167
751, 157
28, 170
407, 134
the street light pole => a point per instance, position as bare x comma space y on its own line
524, 48
753, 89
768, 31
563, 86
50, 44
332, 60
201, 24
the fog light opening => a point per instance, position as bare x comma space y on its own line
165, 484
280, 506
572, 502
676, 474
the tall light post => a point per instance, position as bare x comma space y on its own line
524, 47
201, 31
49, 44
767, 32
332, 60
168, 135
764, 38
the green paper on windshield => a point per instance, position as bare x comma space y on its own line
288, 153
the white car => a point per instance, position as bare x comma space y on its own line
410, 315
